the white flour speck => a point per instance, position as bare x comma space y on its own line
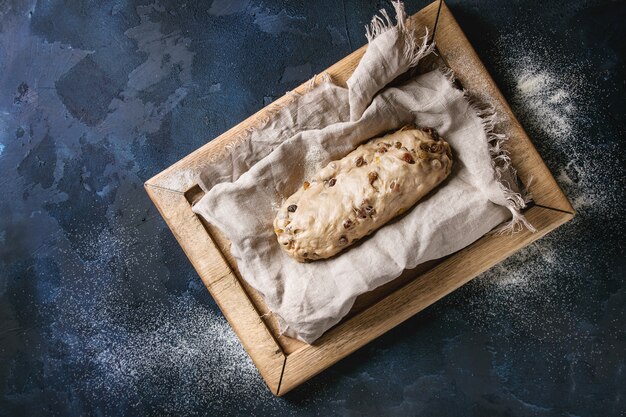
133, 344
186, 354
546, 104
315, 158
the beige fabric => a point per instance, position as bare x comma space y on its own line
243, 192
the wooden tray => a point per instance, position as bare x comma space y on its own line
286, 363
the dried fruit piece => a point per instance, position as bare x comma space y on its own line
407, 157
398, 145
372, 176
394, 186
360, 161
332, 182
432, 132
306, 185
292, 208
347, 223
343, 241
365, 210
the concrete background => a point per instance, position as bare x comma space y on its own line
102, 314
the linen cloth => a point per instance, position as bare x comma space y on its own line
244, 191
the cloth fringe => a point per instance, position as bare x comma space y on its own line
414, 48
501, 163
282, 329
269, 114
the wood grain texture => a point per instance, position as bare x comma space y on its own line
408, 300
221, 281
457, 52
285, 363
287, 344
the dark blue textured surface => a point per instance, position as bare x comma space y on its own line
102, 314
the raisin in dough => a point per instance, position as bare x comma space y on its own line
350, 198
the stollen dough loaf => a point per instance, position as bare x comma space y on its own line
352, 197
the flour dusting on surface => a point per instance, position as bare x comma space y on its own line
547, 104
316, 156
551, 99
186, 354
140, 345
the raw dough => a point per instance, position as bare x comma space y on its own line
352, 197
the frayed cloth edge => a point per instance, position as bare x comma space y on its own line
274, 108
414, 47
500, 162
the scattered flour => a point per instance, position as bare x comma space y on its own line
186, 355
543, 102
142, 341
554, 100
316, 156
313, 163
536, 288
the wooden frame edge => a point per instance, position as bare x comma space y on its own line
171, 177
221, 282
409, 300
523, 153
